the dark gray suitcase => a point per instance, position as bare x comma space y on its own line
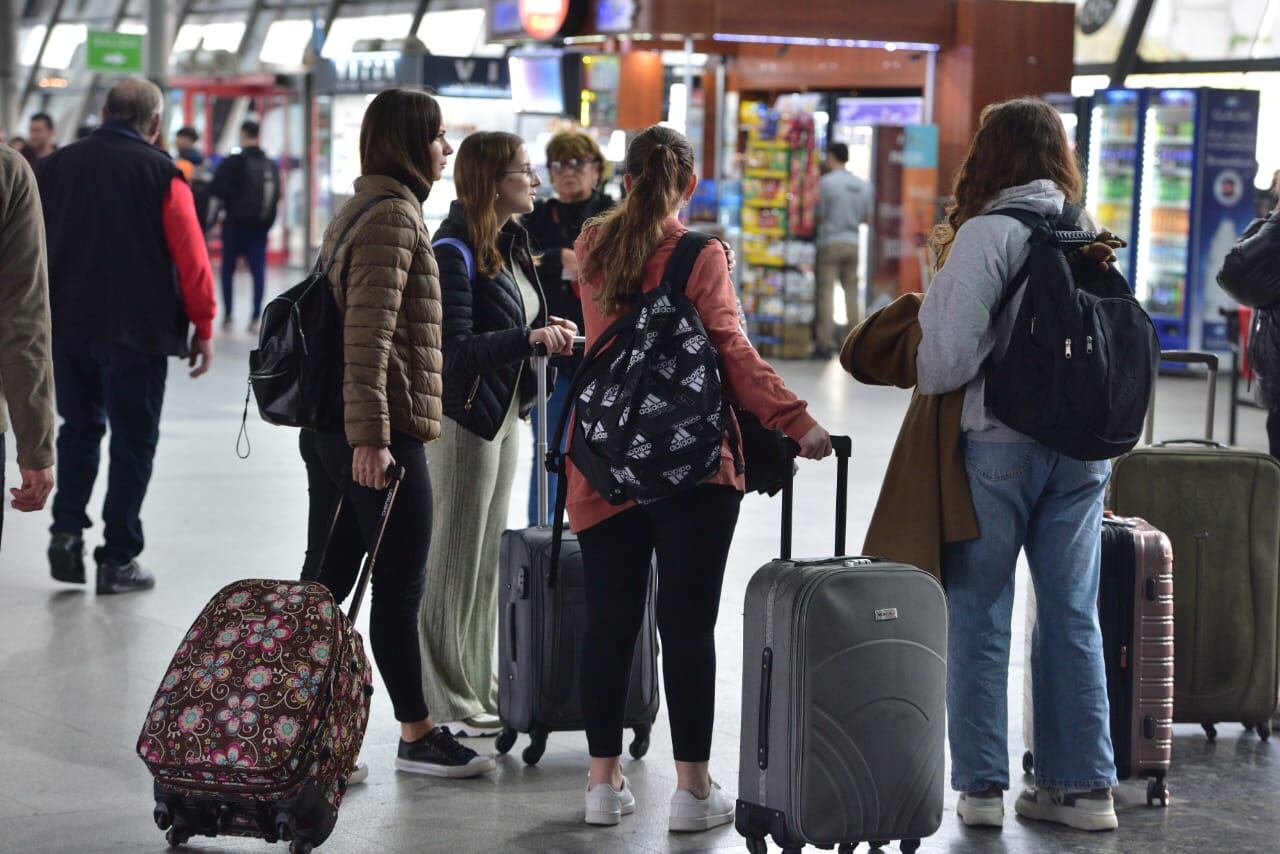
542, 616
844, 698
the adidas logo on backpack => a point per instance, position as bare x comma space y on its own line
625, 475
663, 306
640, 447
677, 475
696, 380
588, 393
666, 369
681, 440
693, 346
653, 405
611, 396
684, 328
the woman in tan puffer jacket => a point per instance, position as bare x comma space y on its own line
387, 288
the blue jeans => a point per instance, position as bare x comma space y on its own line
559, 399
97, 383
1027, 496
251, 243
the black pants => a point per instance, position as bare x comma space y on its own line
691, 533
1273, 431
251, 244
401, 570
98, 383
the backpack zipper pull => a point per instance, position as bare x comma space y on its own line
1068, 350
1033, 326
1088, 345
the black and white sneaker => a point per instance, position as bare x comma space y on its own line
1093, 810
439, 754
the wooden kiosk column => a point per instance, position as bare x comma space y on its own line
999, 50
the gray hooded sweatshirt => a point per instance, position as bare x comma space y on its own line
958, 318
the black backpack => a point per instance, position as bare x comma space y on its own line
649, 416
296, 372
259, 194
1082, 357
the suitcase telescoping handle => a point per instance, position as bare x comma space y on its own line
1188, 357
540, 361
843, 448
395, 474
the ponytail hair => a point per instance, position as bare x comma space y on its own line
660, 163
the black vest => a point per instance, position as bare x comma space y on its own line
110, 273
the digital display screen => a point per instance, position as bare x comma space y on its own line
537, 83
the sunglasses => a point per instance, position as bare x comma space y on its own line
573, 164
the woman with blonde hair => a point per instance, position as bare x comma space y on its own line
494, 318
577, 168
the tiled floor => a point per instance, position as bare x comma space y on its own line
77, 673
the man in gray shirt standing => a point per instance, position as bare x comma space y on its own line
844, 202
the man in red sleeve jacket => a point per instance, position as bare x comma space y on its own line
128, 275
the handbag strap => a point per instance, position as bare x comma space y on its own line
346, 230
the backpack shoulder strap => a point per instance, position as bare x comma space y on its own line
464, 250
1033, 221
1038, 225
1071, 214
346, 230
680, 265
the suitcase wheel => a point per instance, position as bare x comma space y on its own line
1157, 790
640, 744
847, 848
1210, 731
300, 846
757, 845
537, 746
1028, 762
176, 837
163, 815
505, 741
909, 846
1264, 730
793, 850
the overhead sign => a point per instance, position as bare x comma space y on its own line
467, 77
114, 53
366, 73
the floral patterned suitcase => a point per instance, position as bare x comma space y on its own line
259, 719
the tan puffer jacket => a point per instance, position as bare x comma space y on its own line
387, 287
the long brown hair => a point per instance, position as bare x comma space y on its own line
396, 135
477, 169
660, 164
1017, 142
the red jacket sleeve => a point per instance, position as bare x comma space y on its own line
185, 239
750, 381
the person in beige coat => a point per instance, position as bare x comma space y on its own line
26, 368
387, 289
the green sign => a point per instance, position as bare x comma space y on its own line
114, 52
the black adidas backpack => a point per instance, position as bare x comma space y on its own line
649, 416
1082, 357
296, 372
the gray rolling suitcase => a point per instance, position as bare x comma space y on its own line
542, 619
844, 697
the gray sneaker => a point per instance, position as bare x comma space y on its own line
982, 809
1094, 810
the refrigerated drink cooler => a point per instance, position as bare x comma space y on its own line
1172, 171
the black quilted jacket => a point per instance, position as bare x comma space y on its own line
486, 339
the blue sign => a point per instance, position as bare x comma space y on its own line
920, 149
879, 111
1224, 186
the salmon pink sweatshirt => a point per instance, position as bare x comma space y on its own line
750, 383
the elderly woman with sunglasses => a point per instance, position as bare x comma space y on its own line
577, 168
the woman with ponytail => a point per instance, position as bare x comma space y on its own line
623, 254
494, 317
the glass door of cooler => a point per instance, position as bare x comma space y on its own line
1164, 216
1114, 147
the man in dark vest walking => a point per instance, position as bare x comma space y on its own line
128, 274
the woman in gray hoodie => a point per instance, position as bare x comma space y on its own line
1026, 497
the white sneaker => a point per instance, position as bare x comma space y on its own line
358, 774
1093, 810
483, 725
982, 809
690, 814
606, 805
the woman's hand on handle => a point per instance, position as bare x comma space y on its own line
369, 466
816, 444
557, 337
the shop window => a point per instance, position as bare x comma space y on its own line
286, 42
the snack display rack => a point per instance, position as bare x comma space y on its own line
779, 201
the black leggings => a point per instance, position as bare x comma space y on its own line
401, 572
691, 533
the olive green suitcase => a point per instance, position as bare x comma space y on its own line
1220, 507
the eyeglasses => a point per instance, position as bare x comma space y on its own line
528, 171
573, 164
